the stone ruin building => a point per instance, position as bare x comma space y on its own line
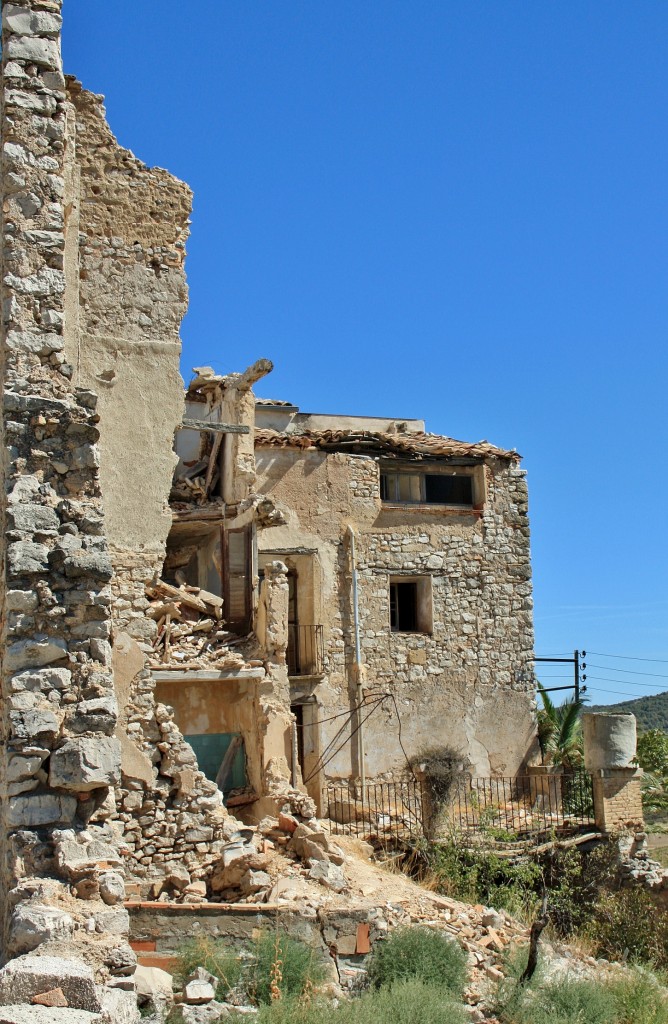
202, 565
409, 609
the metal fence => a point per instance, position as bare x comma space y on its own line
383, 811
499, 810
520, 807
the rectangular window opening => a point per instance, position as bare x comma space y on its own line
413, 488
411, 605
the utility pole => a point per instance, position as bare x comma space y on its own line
578, 673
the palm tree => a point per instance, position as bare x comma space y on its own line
560, 731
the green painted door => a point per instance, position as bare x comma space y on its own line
210, 749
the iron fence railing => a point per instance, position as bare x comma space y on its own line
306, 650
383, 811
498, 809
520, 807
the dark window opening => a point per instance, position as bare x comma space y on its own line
427, 488
403, 607
443, 489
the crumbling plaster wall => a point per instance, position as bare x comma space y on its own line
127, 296
470, 683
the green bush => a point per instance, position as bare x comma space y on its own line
628, 925
215, 957
419, 953
403, 1003
563, 1001
639, 999
290, 964
634, 996
477, 876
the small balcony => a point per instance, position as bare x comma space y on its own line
306, 650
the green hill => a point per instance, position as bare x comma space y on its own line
651, 712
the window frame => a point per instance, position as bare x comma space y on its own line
424, 604
391, 475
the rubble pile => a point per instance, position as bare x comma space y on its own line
190, 627
636, 866
174, 825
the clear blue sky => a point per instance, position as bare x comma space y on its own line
449, 209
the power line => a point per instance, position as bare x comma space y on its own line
628, 671
627, 682
618, 693
629, 657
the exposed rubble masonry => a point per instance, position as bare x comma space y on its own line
62, 874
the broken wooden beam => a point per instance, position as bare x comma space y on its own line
219, 428
244, 381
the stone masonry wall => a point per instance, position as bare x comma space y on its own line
60, 760
126, 290
467, 684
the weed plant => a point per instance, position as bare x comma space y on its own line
405, 1002
215, 957
627, 925
418, 953
281, 967
477, 876
633, 996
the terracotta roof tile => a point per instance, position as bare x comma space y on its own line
397, 444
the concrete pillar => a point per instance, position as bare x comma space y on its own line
610, 747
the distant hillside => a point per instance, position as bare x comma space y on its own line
651, 712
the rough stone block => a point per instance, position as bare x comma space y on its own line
24, 22
84, 764
32, 923
120, 1006
198, 991
25, 558
21, 600
112, 887
329, 875
39, 726
43, 52
36, 809
93, 564
41, 343
20, 768
115, 921
40, 650
27, 976
46, 1015
75, 857
178, 876
99, 715
44, 679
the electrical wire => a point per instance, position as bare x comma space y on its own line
332, 718
627, 671
324, 759
617, 693
629, 657
627, 682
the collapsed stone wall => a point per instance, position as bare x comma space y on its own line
59, 760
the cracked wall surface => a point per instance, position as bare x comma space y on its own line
466, 679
